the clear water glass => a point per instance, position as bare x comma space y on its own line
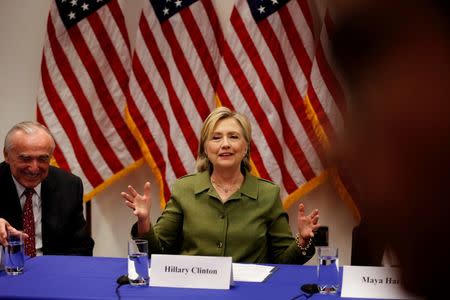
328, 280
138, 264
13, 255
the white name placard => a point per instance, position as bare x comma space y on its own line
184, 271
373, 282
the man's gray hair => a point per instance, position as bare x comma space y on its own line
29, 127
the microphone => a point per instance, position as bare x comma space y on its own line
310, 288
123, 280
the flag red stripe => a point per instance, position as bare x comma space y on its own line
272, 90
297, 45
72, 82
203, 52
60, 159
107, 46
215, 24
57, 153
307, 14
151, 144
259, 163
183, 66
330, 79
69, 127
160, 114
260, 116
103, 93
186, 128
116, 12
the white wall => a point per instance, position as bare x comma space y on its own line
22, 28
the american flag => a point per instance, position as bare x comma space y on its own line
82, 95
326, 98
267, 60
174, 71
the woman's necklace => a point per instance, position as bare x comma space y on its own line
227, 188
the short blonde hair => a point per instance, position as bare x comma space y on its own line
208, 127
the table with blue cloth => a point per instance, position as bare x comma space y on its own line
81, 277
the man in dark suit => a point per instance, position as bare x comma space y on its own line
57, 196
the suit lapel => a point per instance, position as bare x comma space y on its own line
50, 208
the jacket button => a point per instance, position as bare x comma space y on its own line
219, 244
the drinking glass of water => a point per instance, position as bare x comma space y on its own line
138, 264
13, 256
328, 280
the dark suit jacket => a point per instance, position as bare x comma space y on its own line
64, 230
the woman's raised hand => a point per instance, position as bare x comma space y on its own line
140, 204
308, 224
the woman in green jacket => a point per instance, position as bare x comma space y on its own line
223, 210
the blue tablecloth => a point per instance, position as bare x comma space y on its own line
76, 277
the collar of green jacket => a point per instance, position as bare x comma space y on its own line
248, 188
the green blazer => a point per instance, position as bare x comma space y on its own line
251, 226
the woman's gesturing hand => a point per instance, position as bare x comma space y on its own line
308, 224
140, 204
